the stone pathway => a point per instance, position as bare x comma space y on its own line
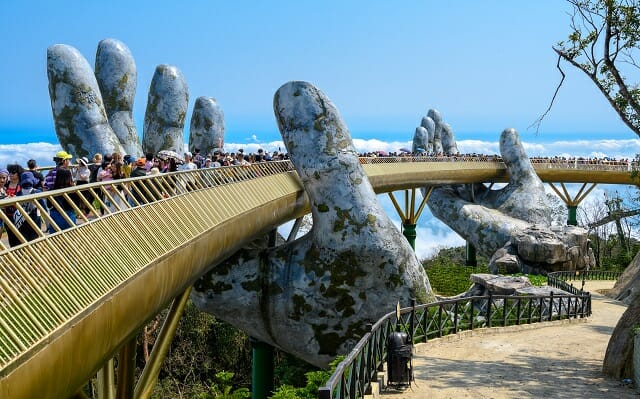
547, 360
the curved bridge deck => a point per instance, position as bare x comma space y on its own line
69, 300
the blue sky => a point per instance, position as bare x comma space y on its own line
485, 65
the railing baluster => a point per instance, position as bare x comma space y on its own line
455, 317
489, 306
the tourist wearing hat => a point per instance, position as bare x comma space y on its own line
28, 184
139, 192
139, 168
62, 160
83, 173
127, 166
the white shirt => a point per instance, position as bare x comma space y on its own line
188, 166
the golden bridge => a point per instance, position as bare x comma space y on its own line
72, 300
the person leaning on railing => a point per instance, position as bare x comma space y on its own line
28, 183
64, 179
12, 187
62, 160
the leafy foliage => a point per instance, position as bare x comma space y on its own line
315, 379
602, 43
447, 274
208, 359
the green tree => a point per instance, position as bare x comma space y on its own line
603, 43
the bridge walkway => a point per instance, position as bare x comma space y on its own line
70, 300
542, 360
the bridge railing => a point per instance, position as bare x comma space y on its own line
29, 217
353, 376
538, 163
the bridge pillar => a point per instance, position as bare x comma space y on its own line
572, 220
409, 216
261, 370
409, 231
572, 203
470, 255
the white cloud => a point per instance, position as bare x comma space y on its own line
20, 153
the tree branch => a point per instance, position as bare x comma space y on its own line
538, 121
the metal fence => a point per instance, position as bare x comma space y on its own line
30, 217
353, 376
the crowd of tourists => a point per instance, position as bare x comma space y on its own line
497, 158
16, 180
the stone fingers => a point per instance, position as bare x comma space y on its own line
437, 133
428, 124
115, 71
80, 118
518, 165
166, 111
449, 145
420, 140
206, 131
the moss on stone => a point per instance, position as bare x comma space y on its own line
300, 307
122, 82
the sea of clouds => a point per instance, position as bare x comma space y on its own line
432, 234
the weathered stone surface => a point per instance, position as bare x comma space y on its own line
512, 225
627, 287
449, 145
313, 297
420, 141
80, 119
166, 111
115, 71
500, 285
207, 126
430, 125
437, 134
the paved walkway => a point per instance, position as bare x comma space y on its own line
536, 361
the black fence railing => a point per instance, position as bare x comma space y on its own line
353, 377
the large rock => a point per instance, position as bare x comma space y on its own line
314, 296
627, 287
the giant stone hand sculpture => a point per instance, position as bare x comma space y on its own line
512, 225
93, 112
313, 297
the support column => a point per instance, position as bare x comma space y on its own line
106, 381
471, 259
127, 370
149, 375
572, 203
572, 220
261, 370
410, 215
409, 231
